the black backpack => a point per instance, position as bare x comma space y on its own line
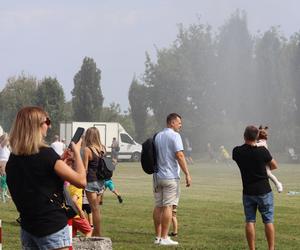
105, 171
148, 156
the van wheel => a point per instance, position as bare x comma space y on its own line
136, 156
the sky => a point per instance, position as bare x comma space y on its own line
51, 38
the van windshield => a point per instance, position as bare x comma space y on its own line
126, 139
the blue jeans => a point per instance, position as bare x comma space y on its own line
265, 205
59, 239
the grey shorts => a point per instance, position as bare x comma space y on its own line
166, 192
95, 187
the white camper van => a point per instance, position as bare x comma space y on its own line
129, 149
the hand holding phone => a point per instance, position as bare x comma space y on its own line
77, 136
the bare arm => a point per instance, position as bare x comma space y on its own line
182, 163
273, 164
87, 155
79, 208
76, 176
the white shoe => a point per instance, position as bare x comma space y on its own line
157, 240
168, 242
279, 187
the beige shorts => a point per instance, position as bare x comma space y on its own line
166, 192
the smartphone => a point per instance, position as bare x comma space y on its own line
76, 137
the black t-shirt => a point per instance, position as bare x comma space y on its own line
252, 161
39, 216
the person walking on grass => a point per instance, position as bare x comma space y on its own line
257, 192
111, 186
169, 151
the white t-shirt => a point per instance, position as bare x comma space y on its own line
58, 147
4, 153
262, 143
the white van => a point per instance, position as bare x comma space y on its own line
129, 149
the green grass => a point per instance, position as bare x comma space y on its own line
210, 212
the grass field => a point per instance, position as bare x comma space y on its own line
210, 211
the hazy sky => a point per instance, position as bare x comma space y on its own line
51, 38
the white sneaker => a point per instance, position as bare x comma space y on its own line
168, 242
279, 187
157, 240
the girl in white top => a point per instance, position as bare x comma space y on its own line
4, 155
262, 142
4, 152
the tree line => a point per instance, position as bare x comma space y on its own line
86, 103
219, 81
222, 81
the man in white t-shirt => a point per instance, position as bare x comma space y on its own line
170, 156
58, 146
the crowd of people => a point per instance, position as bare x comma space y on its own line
37, 176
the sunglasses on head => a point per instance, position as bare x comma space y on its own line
48, 121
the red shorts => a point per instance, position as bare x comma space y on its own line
81, 225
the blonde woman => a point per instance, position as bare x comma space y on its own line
93, 150
34, 173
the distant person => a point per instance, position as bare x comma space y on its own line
257, 192
262, 142
35, 178
225, 157
63, 140
292, 154
115, 148
188, 151
169, 150
92, 152
211, 152
58, 146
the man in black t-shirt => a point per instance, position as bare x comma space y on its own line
257, 193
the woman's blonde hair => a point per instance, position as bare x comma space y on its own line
25, 135
92, 139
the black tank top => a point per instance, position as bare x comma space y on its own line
92, 167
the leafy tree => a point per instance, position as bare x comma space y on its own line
111, 113
138, 104
19, 91
87, 98
50, 96
182, 79
235, 70
293, 50
68, 111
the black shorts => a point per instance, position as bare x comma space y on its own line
86, 208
